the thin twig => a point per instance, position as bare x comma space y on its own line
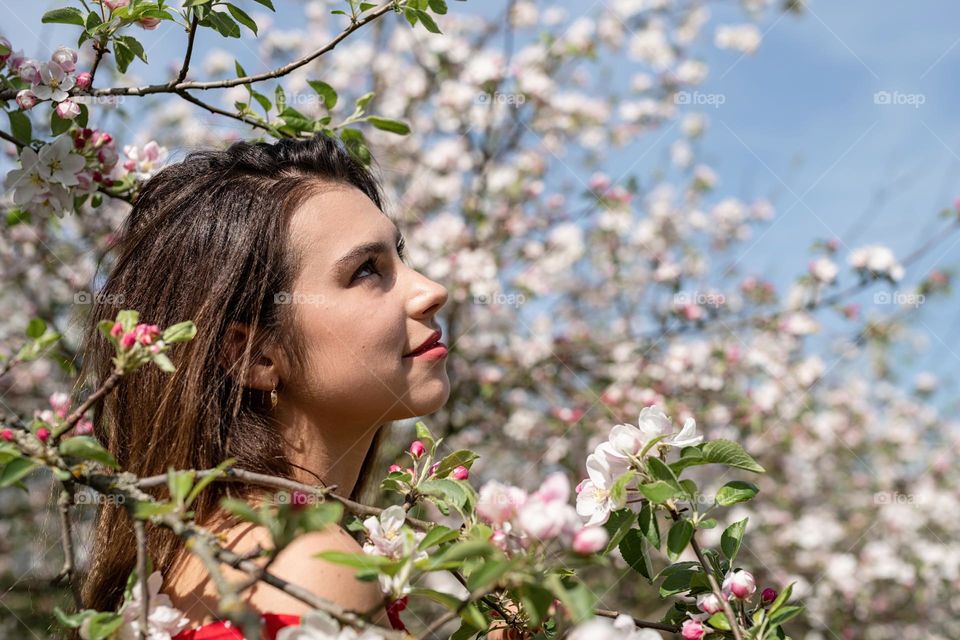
66, 541
92, 399
192, 32
139, 528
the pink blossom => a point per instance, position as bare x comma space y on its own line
148, 23
60, 402
394, 467
460, 473
116, 330
417, 449
84, 427
146, 333
67, 109
66, 58
7, 434
739, 584
26, 99
498, 502
113, 5
129, 339
43, 434
692, 630
29, 71
768, 595
84, 80
590, 540
54, 83
709, 603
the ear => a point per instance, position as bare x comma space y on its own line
267, 368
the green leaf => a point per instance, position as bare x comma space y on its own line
64, 15
386, 124
36, 327
15, 470
576, 598
423, 433
224, 25
486, 576
461, 457
678, 538
633, 548
163, 362
58, 125
207, 479
134, 46
438, 6
719, 621
146, 510
87, 448
781, 599
784, 614
617, 526
180, 332
180, 483
195, 3
20, 126
103, 624
266, 3
679, 580
241, 16
732, 537
427, 20
736, 491
647, 521
731, 454
438, 535
355, 560
242, 509
659, 492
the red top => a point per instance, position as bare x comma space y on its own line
225, 630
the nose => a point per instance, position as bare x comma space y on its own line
427, 296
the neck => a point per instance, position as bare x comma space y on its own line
333, 451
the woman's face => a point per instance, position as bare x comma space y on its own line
360, 312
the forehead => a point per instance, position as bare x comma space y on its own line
335, 219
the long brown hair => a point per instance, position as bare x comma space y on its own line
207, 240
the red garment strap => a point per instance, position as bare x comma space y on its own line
226, 630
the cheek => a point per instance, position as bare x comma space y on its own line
371, 335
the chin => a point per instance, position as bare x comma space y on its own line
427, 398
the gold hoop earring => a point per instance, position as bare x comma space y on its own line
273, 397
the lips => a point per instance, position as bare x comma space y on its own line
425, 346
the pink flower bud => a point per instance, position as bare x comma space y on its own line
116, 330
30, 71
66, 58
7, 434
60, 402
67, 109
417, 449
146, 333
394, 467
739, 584
434, 467
113, 5
43, 434
129, 339
709, 603
84, 427
590, 540
460, 473
84, 80
148, 23
768, 595
26, 99
693, 630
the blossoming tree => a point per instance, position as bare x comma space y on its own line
589, 314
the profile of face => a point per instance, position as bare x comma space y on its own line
360, 310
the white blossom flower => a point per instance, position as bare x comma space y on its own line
163, 620
621, 628
687, 436
317, 625
594, 501
54, 82
59, 162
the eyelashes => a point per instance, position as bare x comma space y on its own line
371, 263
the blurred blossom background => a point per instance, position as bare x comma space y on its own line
746, 212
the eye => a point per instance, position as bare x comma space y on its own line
370, 264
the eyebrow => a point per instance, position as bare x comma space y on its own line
365, 249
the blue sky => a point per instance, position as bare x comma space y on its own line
799, 124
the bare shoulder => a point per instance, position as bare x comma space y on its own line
298, 565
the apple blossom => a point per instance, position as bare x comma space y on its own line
66, 58
84, 80
768, 595
146, 161
709, 603
67, 109
739, 584
388, 536
594, 500
26, 99
317, 625
163, 619
43, 434
7, 434
546, 514
620, 628
693, 630
590, 540
54, 83
497, 503
460, 473
417, 449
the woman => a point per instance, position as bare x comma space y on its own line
309, 324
